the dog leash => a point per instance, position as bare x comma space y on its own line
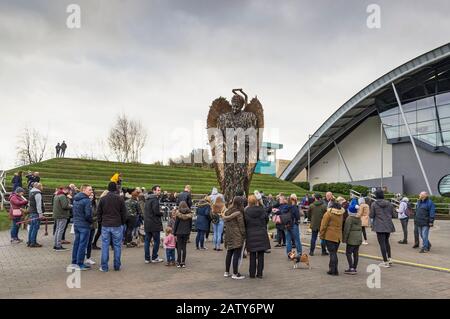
45, 219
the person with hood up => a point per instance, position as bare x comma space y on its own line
331, 232
182, 231
17, 203
403, 216
234, 236
382, 213
202, 222
257, 238
352, 237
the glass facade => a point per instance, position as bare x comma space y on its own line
428, 119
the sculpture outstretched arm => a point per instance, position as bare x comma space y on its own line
235, 91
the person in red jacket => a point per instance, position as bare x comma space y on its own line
17, 202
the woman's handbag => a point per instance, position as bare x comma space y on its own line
17, 213
276, 219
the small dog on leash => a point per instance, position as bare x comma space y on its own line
140, 238
298, 260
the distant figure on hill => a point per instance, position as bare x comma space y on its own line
17, 181
63, 149
58, 150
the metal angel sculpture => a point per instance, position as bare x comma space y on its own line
235, 134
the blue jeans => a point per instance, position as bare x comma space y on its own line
80, 245
116, 235
156, 239
218, 230
170, 255
15, 228
314, 235
294, 231
200, 239
34, 228
424, 232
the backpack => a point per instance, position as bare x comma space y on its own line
286, 219
352, 207
214, 217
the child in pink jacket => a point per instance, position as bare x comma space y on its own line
169, 245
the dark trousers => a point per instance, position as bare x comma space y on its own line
352, 253
234, 254
256, 262
383, 240
281, 237
181, 248
89, 244
65, 228
364, 233
404, 223
314, 235
130, 223
332, 249
98, 234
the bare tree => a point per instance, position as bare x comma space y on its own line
126, 139
31, 146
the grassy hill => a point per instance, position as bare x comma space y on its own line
56, 172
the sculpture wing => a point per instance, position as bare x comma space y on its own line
218, 107
256, 108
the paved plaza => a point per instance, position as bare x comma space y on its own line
41, 273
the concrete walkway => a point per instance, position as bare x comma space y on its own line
41, 273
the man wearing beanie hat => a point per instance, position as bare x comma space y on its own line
112, 215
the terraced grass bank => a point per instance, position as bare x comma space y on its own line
57, 172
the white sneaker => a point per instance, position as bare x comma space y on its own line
390, 262
157, 260
384, 264
365, 243
101, 269
73, 266
238, 277
147, 261
226, 274
90, 261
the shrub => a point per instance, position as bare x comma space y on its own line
304, 185
340, 188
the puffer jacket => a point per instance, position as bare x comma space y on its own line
234, 229
331, 225
382, 213
425, 213
352, 231
256, 220
183, 222
203, 210
82, 211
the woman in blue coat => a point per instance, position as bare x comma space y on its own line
202, 223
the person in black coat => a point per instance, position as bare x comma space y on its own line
152, 224
182, 230
257, 238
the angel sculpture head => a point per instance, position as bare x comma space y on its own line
239, 117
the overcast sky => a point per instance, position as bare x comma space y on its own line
163, 62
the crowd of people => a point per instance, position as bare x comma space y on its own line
121, 216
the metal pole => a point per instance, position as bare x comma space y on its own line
412, 139
343, 160
309, 162
381, 152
